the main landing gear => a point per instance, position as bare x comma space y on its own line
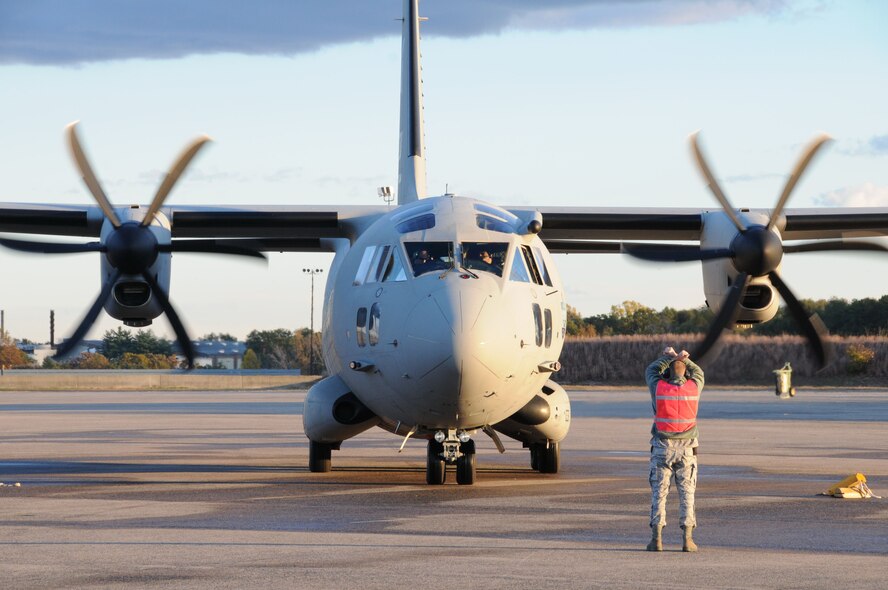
545, 457
450, 451
320, 456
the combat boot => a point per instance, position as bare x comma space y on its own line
688, 546
656, 543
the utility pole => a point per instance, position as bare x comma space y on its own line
52, 329
2, 335
311, 348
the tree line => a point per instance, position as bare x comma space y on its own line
124, 349
300, 349
859, 317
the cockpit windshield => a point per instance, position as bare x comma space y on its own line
429, 256
484, 256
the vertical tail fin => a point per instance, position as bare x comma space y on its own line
411, 160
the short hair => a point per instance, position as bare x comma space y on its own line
679, 368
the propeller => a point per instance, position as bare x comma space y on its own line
756, 251
131, 248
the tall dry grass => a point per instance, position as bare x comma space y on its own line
743, 359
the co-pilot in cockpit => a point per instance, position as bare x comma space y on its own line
484, 256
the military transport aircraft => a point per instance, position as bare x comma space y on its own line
445, 316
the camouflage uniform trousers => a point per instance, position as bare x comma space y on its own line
666, 462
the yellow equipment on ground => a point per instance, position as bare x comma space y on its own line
853, 486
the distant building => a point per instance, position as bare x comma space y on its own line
39, 352
219, 353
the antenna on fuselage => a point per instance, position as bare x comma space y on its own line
385, 193
411, 158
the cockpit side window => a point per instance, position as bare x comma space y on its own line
366, 259
429, 256
541, 264
484, 256
380, 265
394, 269
531, 265
519, 271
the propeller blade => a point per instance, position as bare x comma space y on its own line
834, 245
65, 348
210, 247
812, 327
51, 247
89, 178
725, 319
172, 177
797, 172
672, 252
178, 328
713, 183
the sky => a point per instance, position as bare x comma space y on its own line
567, 102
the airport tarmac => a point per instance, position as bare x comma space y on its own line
210, 490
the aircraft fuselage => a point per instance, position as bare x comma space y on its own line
445, 313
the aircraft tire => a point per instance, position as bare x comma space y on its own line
550, 458
465, 470
465, 464
535, 457
319, 457
436, 469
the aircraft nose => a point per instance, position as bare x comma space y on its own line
459, 352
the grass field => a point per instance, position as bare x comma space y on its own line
744, 359
610, 360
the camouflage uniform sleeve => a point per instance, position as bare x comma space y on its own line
654, 372
695, 373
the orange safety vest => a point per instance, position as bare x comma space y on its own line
676, 406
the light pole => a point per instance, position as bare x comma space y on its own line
311, 348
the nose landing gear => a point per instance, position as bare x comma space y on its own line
451, 451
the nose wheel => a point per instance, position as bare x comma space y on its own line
465, 464
436, 464
436, 468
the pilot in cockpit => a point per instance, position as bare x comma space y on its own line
421, 259
481, 259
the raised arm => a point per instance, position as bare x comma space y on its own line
654, 372
694, 373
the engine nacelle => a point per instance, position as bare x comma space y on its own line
332, 413
761, 300
132, 300
545, 418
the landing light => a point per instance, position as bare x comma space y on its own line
440, 436
463, 436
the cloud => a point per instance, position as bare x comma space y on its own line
874, 146
70, 32
867, 195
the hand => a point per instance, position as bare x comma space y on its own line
669, 351
683, 355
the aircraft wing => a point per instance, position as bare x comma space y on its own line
304, 228
600, 229
267, 228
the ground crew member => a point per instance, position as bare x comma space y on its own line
675, 383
